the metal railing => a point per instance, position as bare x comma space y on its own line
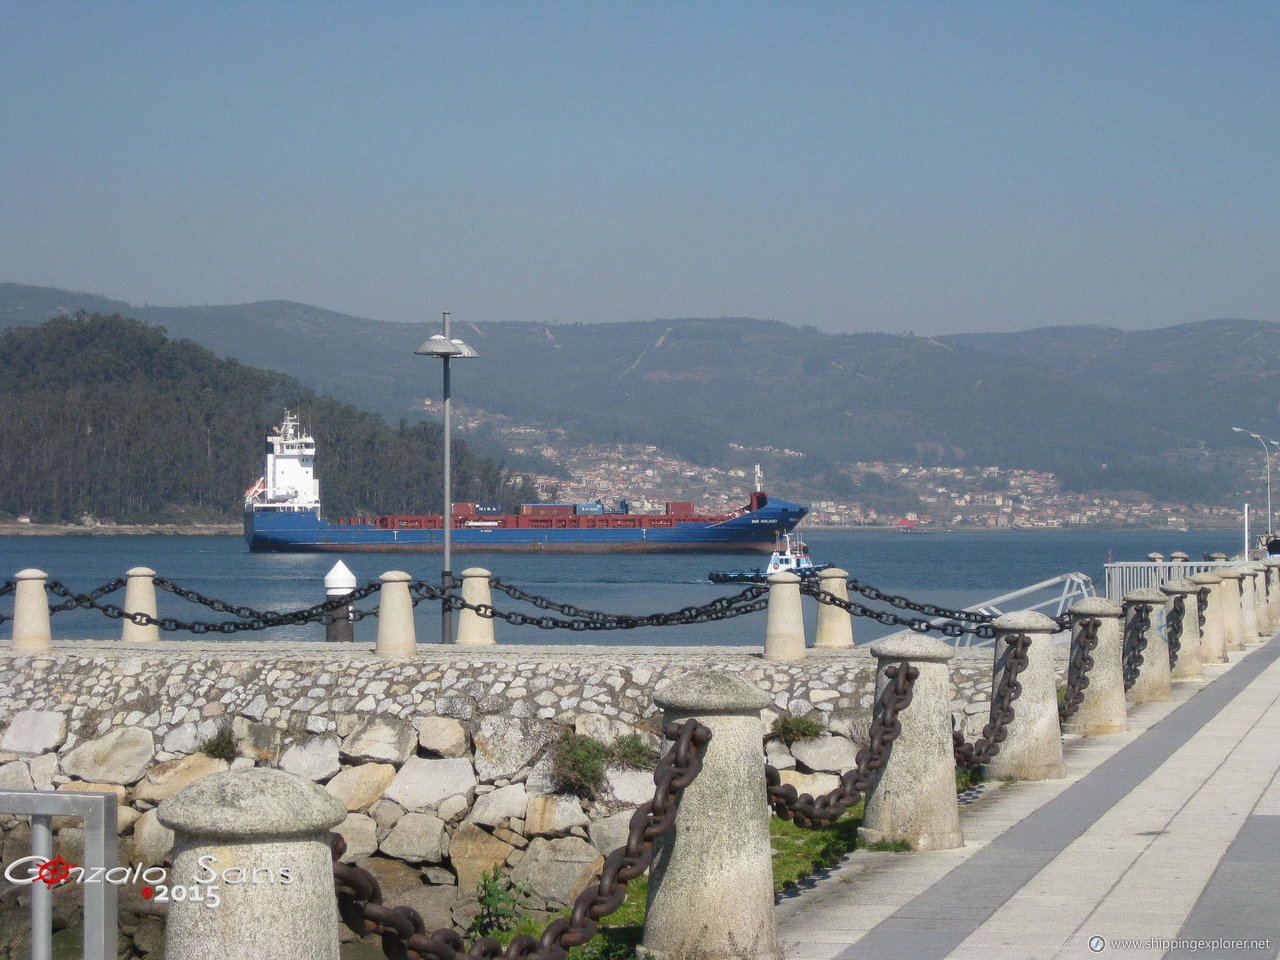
1122, 578
1059, 594
98, 811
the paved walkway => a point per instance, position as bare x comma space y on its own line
1161, 842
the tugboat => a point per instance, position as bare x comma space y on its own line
790, 555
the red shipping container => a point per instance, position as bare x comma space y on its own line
679, 508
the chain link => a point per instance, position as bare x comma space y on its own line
6, 588
93, 595
1135, 642
261, 620
788, 804
1079, 667
1001, 714
928, 609
404, 935
984, 630
1202, 607
1173, 628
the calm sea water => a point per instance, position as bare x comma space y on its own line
954, 569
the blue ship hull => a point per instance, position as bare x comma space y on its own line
267, 529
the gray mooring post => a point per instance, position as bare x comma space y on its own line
1032, 749
31, 633
1248, 604
711, 882
1154, 681
784, 619
1263, 616
1211, 641
339, 582
261, 837
473, 629
835, 625
140, 597
1273, 591
1232, 625
1103, 709
912, 798
1189, 665
397, 638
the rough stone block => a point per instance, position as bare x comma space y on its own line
422, 784
553, 814
33, 732
16, 775
381, 739
120, 757
417, 838
314, 759
473, 851
444, 737
502, 805
360, 833
360, 787
826, 754
165, 779
504, 745
609, 833
152, 840
632, 787
558, 870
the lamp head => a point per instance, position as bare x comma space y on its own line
438, 346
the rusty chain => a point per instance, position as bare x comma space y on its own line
1202, 607
6, 588
953, 629
1001, 714
751, 600
1135, 642
1078, 669
261, 621
1173, 628
97, 593
788, 804
928, 609
404, 935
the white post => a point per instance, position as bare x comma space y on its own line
140, 597
1103, 709
1189, 665
396, 636
1032, 749
473, 629
1154, 681
31, 633
1212, 649
784, 619
835, 625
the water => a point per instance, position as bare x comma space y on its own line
952, 569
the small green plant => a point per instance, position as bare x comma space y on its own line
789, 729
500, 904
578, 762
221, 746
967, 777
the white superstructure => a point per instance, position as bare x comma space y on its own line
288, 481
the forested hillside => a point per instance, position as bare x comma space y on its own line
107, 417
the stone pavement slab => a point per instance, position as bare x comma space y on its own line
1165, 833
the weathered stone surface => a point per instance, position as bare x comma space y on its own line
777, 754
257, 741
539, 781
152, 840
360, 787
422, 784
394, 878
381, 739
472, 851
604, 729
314, 759
443, 737
814, 784
417, 838
496, 808
121, 757
504, 745
826, 754
33, 732
16, 775
632, 787
385, 813
553, 814
558, 869
360, 833
165, 779
189, 737
43, 769
609, 833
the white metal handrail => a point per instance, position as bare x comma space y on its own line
1127, 576
1063, 591
98, 811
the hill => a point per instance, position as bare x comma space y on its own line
1104, 409
108, 417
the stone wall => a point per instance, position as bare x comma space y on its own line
443, 761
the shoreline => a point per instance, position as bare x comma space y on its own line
121, 530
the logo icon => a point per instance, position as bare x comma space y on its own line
54, 872
1097, 944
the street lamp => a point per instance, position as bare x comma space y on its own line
446, 349
1266, 451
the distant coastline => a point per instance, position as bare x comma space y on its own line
119, 529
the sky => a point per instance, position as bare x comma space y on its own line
889, 166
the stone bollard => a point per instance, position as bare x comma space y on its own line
1232, 627
1032, 749
1248, 604
1189, 665
1103, 709
711, 882
1260, 599
1273, 591
396, 636
835, 625
473, 629
260, 839
784, 619
339, 582
31, 633
1211, 643
912, 798
1154, 680
140, 597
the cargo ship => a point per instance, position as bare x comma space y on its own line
282, 513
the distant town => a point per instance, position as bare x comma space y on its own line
947, 497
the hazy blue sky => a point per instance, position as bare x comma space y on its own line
856, 166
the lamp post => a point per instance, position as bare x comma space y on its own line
1266, 452
446, 349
